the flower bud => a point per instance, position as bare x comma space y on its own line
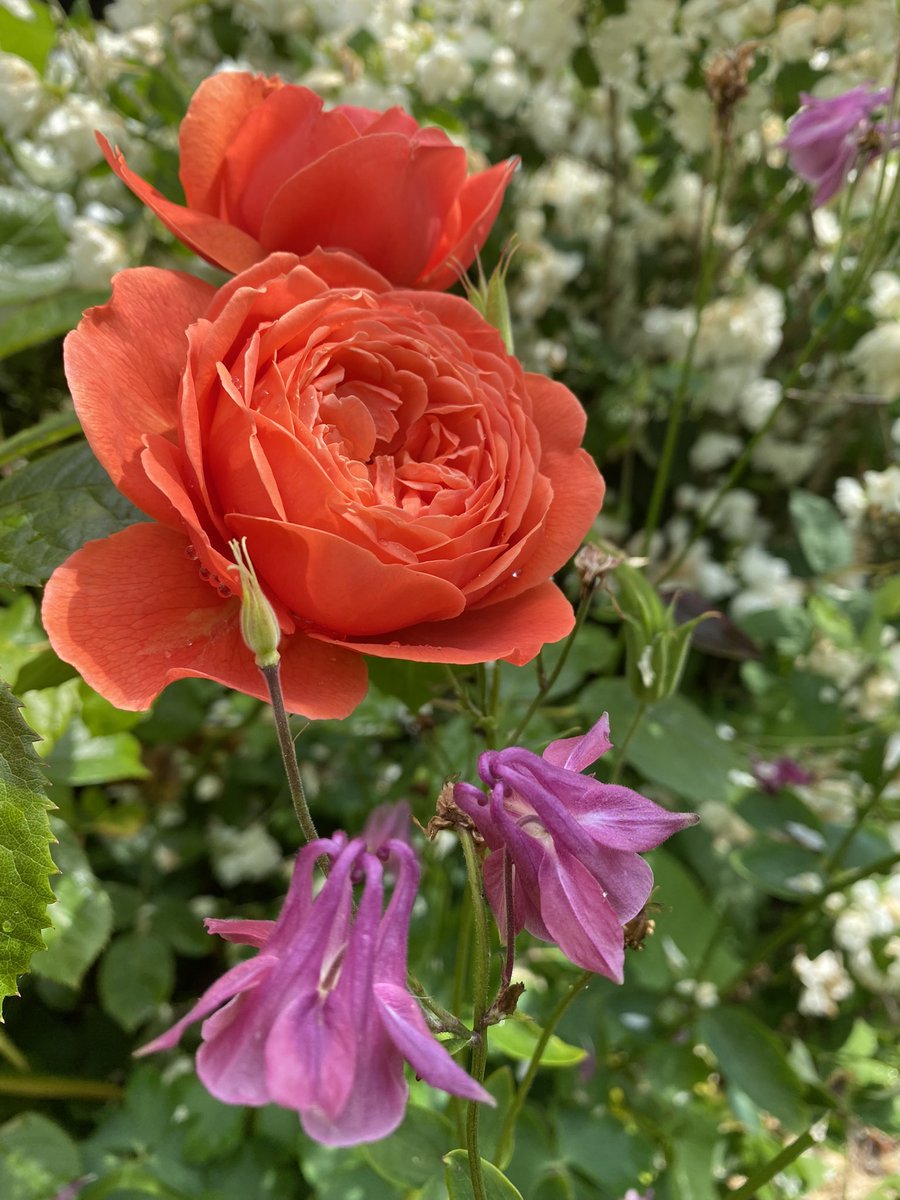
490, 298
259, 625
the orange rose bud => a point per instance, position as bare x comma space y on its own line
259, 625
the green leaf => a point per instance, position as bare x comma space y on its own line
25, 862
752, 1059
414, 1154
41, 319
80, 920
603, 1149
33, 247
780, 869
136, 976
459, 1181
410, 682
502, 1087
30, 37
518, 1036
37, 1158
675, 745
825, 540
58, 427
53, 506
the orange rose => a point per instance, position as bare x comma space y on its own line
264, 168
405, 488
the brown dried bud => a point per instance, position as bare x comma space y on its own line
593, 563
448, 815
638, 929
505, 1004
726, 80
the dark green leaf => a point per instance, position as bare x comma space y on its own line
136, 976
81, 919
25, 862
752, 1059
37, 1159
53, 506
675, 745
459, 1181
41, 319
412, 1155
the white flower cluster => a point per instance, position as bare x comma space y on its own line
867, 930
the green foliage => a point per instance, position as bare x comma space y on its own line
518, 1038
50, 508
136, 976
459, 1181
25, 862
37, 320
824, 538
80, 920
37, 1158
751, 1058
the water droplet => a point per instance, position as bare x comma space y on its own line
224, 589
205, 572
7, 926
516, 574
192, 553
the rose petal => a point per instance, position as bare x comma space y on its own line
222, 244
408, 192
132, 614
479, 203
514, 630
340, 586
123, 365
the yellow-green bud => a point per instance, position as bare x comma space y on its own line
259, 625
490, 298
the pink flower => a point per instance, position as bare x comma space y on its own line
572, 842
321, 1020
823, 141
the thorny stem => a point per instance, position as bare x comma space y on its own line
504, 1141
288, 752
626, 741
547, 686
480, 985
676, 413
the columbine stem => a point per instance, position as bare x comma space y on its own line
547, 686
510, 930
626, 740
789, 1154
504, 1141
480, 983
288, 753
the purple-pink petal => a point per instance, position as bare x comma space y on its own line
579, 753
241, 978
405, 1026
580, 918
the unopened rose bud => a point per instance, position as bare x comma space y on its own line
259, 625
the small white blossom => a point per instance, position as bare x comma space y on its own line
877, 356
96, 253
21, 95
713, 450
825, 982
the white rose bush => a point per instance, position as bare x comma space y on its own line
449, 604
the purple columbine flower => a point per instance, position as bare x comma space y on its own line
321, 1020
823, 140
572, 844
783, 773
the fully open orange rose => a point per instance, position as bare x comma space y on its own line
405, 489
264, 168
